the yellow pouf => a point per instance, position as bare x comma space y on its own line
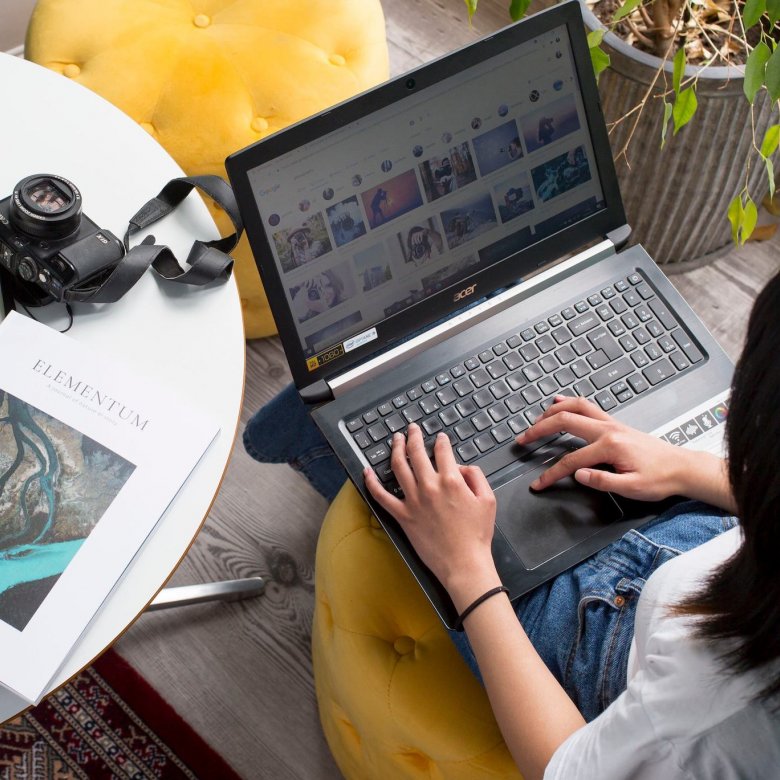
396, 699
208, 77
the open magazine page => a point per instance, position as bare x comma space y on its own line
90, 458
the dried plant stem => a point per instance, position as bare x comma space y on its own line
639, 35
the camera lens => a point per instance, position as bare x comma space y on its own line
27, 269
46, 206
410, 83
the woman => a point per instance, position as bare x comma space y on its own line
699, 694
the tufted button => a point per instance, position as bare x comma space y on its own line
71, 70
259, 124
337, 59
404, 645
201, 20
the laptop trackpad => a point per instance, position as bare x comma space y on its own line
541, 525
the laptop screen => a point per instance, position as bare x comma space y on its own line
368, 223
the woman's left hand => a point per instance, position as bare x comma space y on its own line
448, 514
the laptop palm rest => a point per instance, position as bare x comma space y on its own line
540, 526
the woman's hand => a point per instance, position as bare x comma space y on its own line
646, 467
448, 513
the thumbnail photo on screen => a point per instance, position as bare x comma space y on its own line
330, 334
561, 174
470, 219
421, 242
450, 172
550, 123
346, 221
392, 198
498, 147
514, 196
322, 292
303, 243
372, 267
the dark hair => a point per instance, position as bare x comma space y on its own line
741, 600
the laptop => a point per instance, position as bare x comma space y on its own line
447, 249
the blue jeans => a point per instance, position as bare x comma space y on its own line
582, 621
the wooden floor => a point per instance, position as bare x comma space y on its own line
241, 673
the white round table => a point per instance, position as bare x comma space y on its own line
190, 339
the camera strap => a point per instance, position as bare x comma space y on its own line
208, 261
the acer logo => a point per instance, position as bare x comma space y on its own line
465, 292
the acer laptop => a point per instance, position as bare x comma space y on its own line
445, 249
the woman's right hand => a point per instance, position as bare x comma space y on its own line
646, 468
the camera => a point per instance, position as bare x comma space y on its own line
410, 83
47, 244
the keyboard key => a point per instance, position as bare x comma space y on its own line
449, 416
638, 383
529, 352
486, 356
565, 354
687, 346
597, 359
547, 403
531, 394
581, 306
395, 423
500, 348
532, 372
378, 454
584, 323
463, 387
565, 377
561, 335
533, 414
370, 416
581, 346
499, 389
595, 300
443, 379
568, 313
541, 327
471, 363
640, 359
663, 314
515, 403
400, 401
412, 413
481, 421
603, 341
432, 425
584, 388
626, 395
618, 370
555, 320
659, 371
465, 430
498, 412
608, 292
580, 368
653, 352
483, 398
621, 286
619, 387
496, 369
618, 305
654, 329
606, 400
479, 377
528, 334
643, 314
641, 335
549, 364
518, 424
629, 320
514, 341
635, 279
501, 433
616, 328
679, 360
605, 313
548, 386
466, 407
414, 393
645, 290
467, 452
484, 442
631, 298
354, 425
456, 372
512, 361
377, 432
666, 344
516, 381
385, 408
546, 343
446, 395
429, 405
628, 344
362, 440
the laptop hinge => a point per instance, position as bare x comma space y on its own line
619, 236
460, 322
317, 393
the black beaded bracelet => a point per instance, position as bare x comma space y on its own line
474, 604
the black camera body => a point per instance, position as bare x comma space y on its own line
48, 246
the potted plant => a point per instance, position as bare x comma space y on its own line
688, 89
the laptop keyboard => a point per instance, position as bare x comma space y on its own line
615, 344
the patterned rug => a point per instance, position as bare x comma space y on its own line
106, 723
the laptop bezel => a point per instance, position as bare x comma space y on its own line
501, 274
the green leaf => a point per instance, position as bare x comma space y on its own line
625, 9
595, 37
770, 172
472, 7
518, 8
771, 140
749, 220
684, 108
665, 124
772, 75
736, 215
773, 10
755, 69
679, 68
752, 12
600, 61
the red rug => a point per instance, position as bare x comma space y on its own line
106, 723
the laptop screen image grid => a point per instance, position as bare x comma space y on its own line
370, 220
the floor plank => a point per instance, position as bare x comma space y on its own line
241, 673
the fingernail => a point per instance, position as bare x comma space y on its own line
411, 426
366, 472
520, 437
558, 398
583, 476
441, 435
397, 438
536, 484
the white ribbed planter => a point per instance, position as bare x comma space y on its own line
676, 199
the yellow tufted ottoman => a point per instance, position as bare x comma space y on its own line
396, 700
208, 77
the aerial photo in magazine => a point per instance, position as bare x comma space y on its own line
55, 486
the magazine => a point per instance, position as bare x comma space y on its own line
90, 458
